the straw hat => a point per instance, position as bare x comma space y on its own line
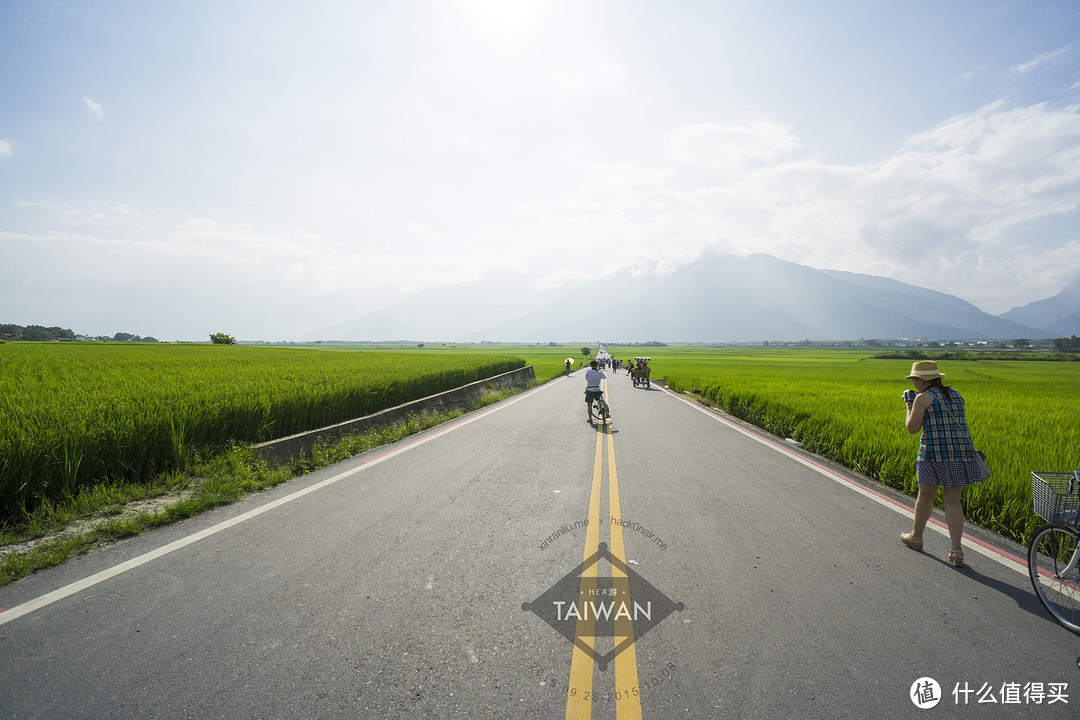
925, 370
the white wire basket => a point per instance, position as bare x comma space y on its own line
1056, 496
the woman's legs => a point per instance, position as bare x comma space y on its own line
954, 515
924, 507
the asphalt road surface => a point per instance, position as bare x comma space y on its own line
520, 563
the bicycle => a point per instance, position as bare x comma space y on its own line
601, 409
1054, 551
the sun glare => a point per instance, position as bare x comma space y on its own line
506, 27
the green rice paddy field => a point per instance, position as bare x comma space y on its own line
75, 415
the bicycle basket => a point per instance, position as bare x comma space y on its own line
1056, 496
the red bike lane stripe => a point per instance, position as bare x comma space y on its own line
992, 551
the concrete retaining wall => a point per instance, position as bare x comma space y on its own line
283, 449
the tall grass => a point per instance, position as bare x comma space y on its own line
845, 405
76, 415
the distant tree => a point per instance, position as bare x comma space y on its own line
35, 333
1021, 343
585, 350
221, 338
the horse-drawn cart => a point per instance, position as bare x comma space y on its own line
640, 372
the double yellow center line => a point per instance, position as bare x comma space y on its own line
581, 695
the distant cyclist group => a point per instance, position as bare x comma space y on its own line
638, 367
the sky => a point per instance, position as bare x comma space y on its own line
267, 168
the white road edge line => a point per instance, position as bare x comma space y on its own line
936, 525
80, 585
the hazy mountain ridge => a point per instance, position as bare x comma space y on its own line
718, 298
1060, 314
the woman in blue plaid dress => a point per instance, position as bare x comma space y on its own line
946, 454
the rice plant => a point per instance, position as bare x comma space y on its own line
75, 415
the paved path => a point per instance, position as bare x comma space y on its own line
448, 576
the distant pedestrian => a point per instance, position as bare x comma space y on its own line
946, 454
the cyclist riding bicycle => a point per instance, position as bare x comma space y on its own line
593, 376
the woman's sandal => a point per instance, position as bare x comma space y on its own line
956, 557
909, 540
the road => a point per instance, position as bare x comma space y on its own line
448, 576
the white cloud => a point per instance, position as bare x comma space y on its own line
981, 206
154, 250
958, 207
94, 108
6, 149
1041, 60
732, 148
952, 209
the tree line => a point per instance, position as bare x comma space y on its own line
40, 333
1070, 343
37, 333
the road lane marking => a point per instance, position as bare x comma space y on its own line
78, 586
999, 555
627, 701
580, 691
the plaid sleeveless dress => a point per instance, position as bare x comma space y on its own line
946, 452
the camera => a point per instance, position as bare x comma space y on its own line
909, 396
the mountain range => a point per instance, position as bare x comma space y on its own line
1060, 315
716, 299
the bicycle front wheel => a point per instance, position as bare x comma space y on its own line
1055, 575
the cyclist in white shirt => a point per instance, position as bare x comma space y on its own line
593, 376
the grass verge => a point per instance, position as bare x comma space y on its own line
91, 520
